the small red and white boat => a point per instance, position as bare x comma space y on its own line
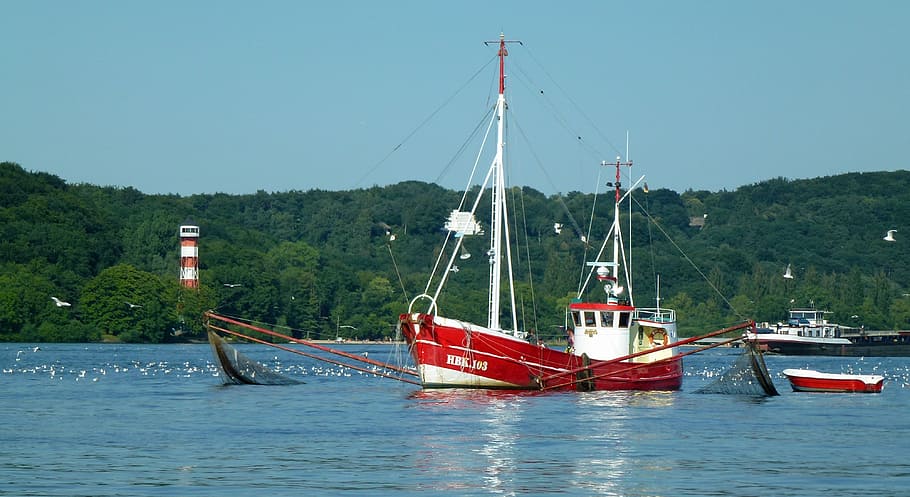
807, 380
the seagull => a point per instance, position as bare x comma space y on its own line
890, 236
557, 227
60, 303
788, 274
133, 306
233, 285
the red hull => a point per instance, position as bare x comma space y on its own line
452, 354
813, 381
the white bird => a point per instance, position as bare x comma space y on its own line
133, 306
788, 274
233, 285
60, 303
889, 237
557, 227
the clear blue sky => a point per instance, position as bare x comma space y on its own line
226, 96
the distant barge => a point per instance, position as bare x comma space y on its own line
808, 332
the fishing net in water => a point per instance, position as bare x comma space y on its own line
237, 368
748, 375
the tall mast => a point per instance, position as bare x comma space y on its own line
498, 207
613, 279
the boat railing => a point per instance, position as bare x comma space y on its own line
655, 314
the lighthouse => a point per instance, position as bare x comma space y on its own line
189, 256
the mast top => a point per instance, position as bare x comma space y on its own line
502, 59
618, 183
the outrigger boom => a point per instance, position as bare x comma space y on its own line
211, 316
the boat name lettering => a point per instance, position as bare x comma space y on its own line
466, 362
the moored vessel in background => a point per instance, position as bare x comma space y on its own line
808, 332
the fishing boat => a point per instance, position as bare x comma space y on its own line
613, 345
808, 332
807, 380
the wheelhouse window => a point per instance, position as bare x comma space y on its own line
590, 318
624, 319
606, 319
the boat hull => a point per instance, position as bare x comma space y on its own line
814, 381
454, 354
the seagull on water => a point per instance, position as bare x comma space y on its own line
60, 303
889, 237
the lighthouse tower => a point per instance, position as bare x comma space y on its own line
189, 256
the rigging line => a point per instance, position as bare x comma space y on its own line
536, 90
524, 219
691, 262
574, 104
398, 273
464, 197
651, 246
374, 371
458, 153
590, 226
300, 341
260, 323
575, 226
423, 123
448, 237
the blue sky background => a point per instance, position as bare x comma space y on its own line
227, 96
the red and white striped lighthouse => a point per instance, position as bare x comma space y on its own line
189, 256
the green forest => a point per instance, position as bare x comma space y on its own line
322, 264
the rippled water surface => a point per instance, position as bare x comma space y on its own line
133, 420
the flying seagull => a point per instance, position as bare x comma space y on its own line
133, 306
890, 236
60, 303
233, 285
788, 274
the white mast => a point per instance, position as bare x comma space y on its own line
498, 200
499, 210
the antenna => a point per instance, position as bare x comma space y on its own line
629, 242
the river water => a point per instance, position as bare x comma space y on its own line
140, 420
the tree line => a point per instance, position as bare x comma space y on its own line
322, 264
